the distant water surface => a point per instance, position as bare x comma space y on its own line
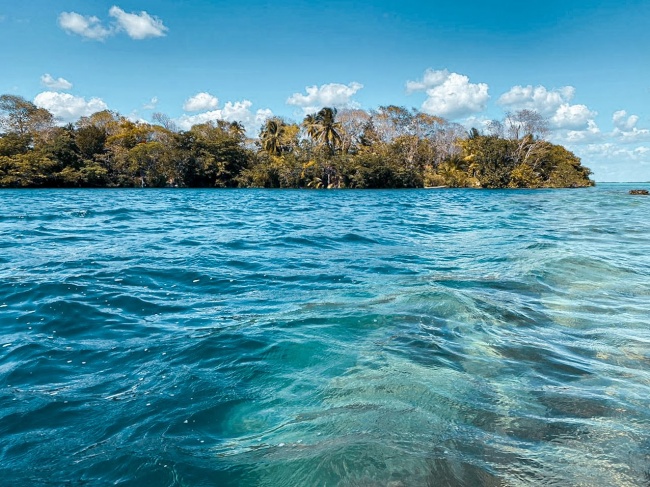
325, 338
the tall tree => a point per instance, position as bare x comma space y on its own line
271, 136
237, 130
165, 121
353, 123
528, 129
327, 129
310, 124
22, 117
521, 123
91, 140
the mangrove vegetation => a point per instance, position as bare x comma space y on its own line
390, 147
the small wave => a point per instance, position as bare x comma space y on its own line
357, 238
310, 338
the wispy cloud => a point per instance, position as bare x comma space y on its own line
625, 129
136, 25
613, 162
55, 84
624, 122
151, 104
89, 27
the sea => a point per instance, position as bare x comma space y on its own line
353, 338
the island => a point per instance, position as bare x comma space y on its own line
389, 147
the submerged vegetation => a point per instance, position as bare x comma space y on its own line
390, 147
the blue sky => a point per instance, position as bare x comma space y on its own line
583, 65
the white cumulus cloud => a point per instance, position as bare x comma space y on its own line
573, 117
201, 101
55, 84
631, 136
617, 155
89, 27
450, 95
538, 98
66, 107
239, 111
590, 134
138, 26
431, 79
623, 122
625, 129
553, 104
334, 95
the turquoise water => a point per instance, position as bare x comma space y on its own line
325, 338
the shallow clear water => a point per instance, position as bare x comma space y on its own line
324, 338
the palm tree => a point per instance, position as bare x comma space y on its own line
328, 128
271, 136
323, 128
237, 130
310, 124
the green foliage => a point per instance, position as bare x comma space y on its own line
12, 144
271, 137
61, 147
523, 176
567, 171
278, 137
489, 159
371, 170
324, 129
392, 147
211, 156
521, 163
22, 117
91, 141
31, 169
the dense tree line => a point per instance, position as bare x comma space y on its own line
390, 147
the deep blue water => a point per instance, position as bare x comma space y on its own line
325, 338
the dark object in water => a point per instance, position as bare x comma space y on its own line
639, 191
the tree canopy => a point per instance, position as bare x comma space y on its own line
389, 147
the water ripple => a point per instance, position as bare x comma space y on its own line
331, 338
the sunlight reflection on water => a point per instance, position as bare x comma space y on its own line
352, 338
